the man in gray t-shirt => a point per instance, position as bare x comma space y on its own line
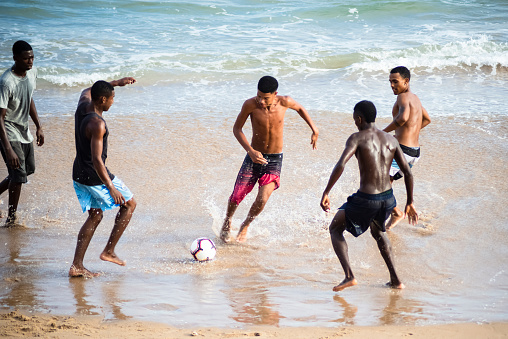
17, 85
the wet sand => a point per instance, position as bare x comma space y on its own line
182, 169
16, 324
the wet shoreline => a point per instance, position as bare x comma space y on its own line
283, 276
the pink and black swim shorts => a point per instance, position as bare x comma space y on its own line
252, 173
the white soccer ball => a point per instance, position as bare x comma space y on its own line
203, 249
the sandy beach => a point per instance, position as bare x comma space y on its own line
261, 288
18, 324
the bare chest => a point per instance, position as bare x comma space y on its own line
268, 119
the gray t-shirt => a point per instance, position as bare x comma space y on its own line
16, 95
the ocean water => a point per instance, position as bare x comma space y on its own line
172, 144
326, 54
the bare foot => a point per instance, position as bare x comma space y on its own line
344, 284
225, 235
81, 272
395, 218
397, 285
242, 234
13, 222
111, 257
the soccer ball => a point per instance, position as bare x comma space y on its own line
203, 249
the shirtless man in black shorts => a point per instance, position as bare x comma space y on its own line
374, 201
263, 161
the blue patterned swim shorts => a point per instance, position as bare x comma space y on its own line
98, 196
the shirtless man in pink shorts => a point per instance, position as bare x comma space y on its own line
263, 161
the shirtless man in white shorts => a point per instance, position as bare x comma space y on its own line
409, 117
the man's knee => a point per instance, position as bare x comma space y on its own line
15, 185
335, 228
95, 214
338, 223
262, 199
131, 205
236, 199
332, 228
374, 234
266, 191
239, 193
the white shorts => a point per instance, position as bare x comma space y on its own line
412, 155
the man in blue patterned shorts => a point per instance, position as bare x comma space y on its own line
96, 187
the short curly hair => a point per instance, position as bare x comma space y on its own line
20, 46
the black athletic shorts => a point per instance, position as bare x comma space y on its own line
25, 153
362, 209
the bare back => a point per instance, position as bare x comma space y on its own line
375, 151
409, 133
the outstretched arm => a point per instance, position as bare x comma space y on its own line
256, 156
86, 93
351, 146
410, 210
290, 103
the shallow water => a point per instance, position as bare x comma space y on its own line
452, 262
